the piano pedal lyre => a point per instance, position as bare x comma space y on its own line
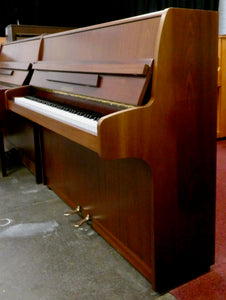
77, 210
81, 222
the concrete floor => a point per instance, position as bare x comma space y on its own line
43, 257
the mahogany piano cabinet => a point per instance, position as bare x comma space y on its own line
127, 111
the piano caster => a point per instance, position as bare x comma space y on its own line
73, 212
85, 220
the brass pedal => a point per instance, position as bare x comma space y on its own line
80, 222
73, 212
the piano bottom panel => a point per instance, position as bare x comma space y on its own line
117, 194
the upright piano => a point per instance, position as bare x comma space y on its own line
127, 134
16, 59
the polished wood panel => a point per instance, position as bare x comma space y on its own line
117, 194
181, 126
221, 105
106, 42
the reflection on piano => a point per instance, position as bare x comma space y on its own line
15, 70
127, 115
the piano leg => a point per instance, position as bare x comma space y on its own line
38, 154
2, 154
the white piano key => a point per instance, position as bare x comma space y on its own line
66, 117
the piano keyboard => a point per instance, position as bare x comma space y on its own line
84, 120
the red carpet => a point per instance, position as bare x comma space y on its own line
212, 286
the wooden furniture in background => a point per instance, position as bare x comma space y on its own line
15, 32
221, 104
15, 70
147, 175
2, 40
